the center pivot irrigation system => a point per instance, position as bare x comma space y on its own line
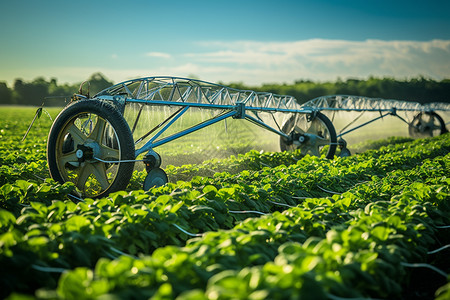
92, 144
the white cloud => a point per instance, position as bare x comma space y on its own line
158, 54
320, 59
254, 63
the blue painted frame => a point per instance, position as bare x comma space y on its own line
237, 111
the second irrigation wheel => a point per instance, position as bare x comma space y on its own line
313, 134
427, 124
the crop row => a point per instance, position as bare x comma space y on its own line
355, 247
65, 235
249, 169
250, 188
254, 160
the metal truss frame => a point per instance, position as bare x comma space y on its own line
187, 93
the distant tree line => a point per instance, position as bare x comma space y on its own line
420, 90
50, 92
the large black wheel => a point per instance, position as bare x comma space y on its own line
427, 124
313, 134
86, 144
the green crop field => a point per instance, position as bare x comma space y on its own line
254, 225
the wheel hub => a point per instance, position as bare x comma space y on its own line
87, 151
79, 154
152, 160
311, 138
297, 139
305, 139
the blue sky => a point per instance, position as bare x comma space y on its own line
253, 42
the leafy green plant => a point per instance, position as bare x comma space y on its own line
256, 225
